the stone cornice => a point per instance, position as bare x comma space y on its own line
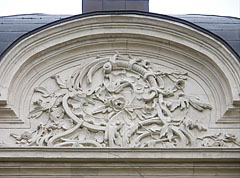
119, 155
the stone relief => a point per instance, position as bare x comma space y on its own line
118, 101
220, 140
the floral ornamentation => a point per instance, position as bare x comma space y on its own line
220, 140
116, 101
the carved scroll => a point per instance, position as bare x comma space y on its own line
116, 101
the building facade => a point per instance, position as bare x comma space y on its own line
120, 94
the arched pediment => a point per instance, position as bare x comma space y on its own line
120, 73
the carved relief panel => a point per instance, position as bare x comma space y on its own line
170, 86
121, 101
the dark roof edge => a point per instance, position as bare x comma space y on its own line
43, 14
210, 15
166, 17
4, 16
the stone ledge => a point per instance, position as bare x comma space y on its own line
119, 154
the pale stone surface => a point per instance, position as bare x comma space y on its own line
119, 101
120, 81
90, 162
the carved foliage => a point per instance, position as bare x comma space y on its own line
116, 101
220, 140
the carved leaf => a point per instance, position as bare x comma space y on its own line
42, 90
195, 102
37, 112
57, 113
67, 124
84, 134
118, 140
99, 136
164, 130
74, 104
183, 103
180, 84
139, 114
200, 127
59, 81
230, 137
102, 109
170, 134
132, 129
151, 143
175, 105
60, 93
93, 69
79, 113
16, 136
155, 128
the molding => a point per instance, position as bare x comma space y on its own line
161, 16
118, 154
119, 163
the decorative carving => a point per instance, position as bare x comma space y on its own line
116, 101
220, 140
